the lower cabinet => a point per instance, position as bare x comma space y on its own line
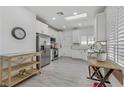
85, 54
76, 54
79, 54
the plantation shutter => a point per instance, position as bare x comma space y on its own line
116, 36
121, 36
112, 36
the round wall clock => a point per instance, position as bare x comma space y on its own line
18, 33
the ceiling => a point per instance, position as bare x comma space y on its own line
48, 15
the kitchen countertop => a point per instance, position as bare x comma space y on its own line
79, 47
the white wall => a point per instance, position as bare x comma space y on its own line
87, 30
11, 17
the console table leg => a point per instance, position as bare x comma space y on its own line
1, 72
9, 74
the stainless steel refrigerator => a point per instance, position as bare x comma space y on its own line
43, 45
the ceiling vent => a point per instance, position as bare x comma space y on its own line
60, 13
75, 28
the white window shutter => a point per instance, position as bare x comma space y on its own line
116, 37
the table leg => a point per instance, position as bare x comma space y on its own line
9, 74
106, 77
89, 71
98, 74
1, 65
95, 72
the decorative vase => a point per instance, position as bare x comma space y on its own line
101, 57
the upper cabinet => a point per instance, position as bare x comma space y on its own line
75, 37
42, 28
100, 27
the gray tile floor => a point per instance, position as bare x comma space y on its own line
65, 72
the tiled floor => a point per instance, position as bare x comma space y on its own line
65, 72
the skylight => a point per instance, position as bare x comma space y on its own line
76, 16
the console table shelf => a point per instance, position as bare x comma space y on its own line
19, 67
22, 66
17, 79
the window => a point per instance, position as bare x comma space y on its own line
87, 40
112, 39
91, 40
120, 37
116, 37
84, 40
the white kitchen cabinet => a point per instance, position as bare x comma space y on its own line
75, 37
100, 27
79, 54
76, 54
42, 28
85, 54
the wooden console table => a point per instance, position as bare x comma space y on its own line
97, 75
14, 68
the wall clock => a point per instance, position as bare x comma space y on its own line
18, 33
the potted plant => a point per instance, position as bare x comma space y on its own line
101, 55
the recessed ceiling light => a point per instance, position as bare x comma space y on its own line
64, 26
79, 24
53, 18
76, 17
75, 13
